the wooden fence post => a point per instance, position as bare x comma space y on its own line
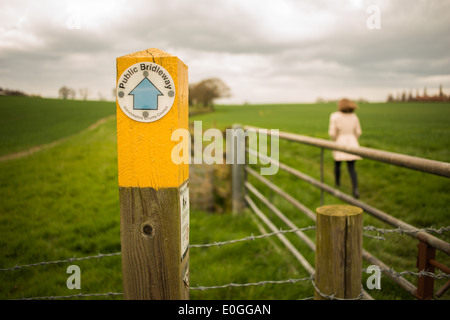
152, 102
338, 251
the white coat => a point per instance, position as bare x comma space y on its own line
344, 129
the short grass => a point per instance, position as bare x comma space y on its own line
420, 199
417, 129
244, 262
56, 204
29, 122
63, 202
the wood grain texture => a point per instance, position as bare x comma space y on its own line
339, 251
150, 238
153, 266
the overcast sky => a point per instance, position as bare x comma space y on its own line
266, 51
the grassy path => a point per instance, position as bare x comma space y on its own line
41, 147
26, 123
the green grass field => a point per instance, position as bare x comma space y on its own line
62, 202
40, 121
420, 199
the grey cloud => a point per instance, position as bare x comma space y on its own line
329, 43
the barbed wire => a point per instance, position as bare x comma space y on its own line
268, 282
422, 273
260, 283
369, 228
333, 296
251, 238
439, 231
43, 263
381, 231
98, 256
367, 235
80, 295
366, 228
289, 281
311, 279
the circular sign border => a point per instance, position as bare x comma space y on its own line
122, 93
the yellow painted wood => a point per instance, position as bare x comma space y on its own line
144, 149
154, 263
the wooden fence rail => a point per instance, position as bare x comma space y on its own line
426, 165
154, 194
428, 243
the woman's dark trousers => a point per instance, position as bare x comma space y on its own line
352, 173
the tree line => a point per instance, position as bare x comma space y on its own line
201, 94
9, 92
69, 93
404, 97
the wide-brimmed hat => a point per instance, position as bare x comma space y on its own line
347, 105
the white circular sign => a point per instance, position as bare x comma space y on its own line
145, 92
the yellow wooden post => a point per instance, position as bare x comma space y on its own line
338, 269
152, 102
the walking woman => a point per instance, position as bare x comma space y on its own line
345, 129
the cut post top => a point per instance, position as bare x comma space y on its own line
148, 52
339, 210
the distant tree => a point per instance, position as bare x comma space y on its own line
67, 93
441, 96
410, 96
320, 100
403, 99
8, 92
390, 98
207, 91
64, 92
192, 93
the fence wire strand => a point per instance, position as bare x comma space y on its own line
369, 228
260, 283
440, 231
251, 238
80, 295
266, 282
43, 263
422, 273
289, 281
